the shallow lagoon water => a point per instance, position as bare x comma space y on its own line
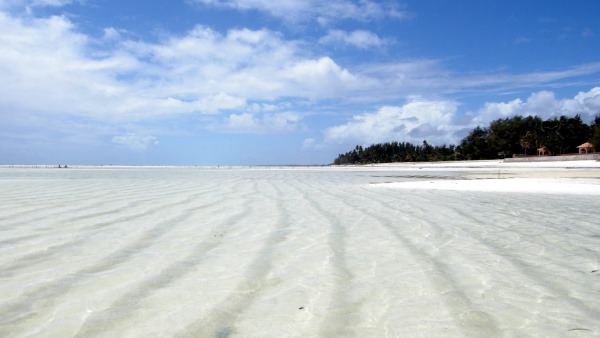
294, 252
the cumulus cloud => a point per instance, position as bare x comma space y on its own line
135, 141
358, 38
319, 78
323, 12
111, 33
46, 59
439, 121
411, 122
254, 65
309, 144
255, 123
202, 71
543, 104
241, 80
584, 103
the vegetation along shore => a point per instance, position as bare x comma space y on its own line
501, 139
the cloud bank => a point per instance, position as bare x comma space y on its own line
324, 12
56, 79
543, 104
135, 141
412, 122
441, 122
359, 38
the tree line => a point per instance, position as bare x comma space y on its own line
503, 138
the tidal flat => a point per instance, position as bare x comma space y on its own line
365, 251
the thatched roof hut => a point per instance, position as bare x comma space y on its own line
543, 151
585, 148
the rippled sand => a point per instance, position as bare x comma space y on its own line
304, 252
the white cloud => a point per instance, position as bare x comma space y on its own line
111, 33
358, 38
34, 3
496, 110
46, 60
586, 103
413, 122
323, 12
255, 123
29, 7
309, 144
242, 122
543, 104
439, 122
499, 82
202, 72
256, 65
319, 78
51, 3
50, 71
135, 141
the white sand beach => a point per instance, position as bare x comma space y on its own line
460, 249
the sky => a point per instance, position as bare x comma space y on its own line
260, 82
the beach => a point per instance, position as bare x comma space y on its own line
458, 249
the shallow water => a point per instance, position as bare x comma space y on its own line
309, 252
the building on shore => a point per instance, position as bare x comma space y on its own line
586, 148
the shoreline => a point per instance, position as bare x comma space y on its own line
480, 164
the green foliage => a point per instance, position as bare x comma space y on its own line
509, 136
562, 135
595, 133
476, 145
396, 152
503, 138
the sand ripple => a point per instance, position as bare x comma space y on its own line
290, 253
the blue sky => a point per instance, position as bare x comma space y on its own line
247, 82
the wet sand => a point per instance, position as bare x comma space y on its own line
381, 251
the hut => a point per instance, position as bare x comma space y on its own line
585, 148
543, 151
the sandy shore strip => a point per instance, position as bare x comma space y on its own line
520, 185
486, 164
566, 177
